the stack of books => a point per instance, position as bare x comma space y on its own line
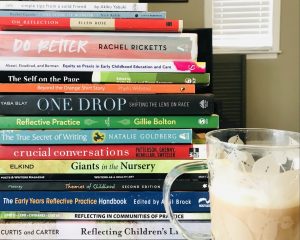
98, 103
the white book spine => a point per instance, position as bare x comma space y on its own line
101, 216
86, 65
97, 230
72, 6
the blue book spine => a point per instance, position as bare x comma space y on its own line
144, 201
58, 14
112, 136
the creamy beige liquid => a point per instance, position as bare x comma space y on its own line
235, 221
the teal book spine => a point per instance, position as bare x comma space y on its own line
96, 136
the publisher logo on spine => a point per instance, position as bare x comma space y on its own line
203, 121
194, 152
190, 80
204, 202
98, 137
203, 104
184, 136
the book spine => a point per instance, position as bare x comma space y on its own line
89, 166
107, 104
104, 230
17, 68
99, 45
97, 177
120, 185
76, 77
94, 217
73, 6
96, 136
111, 122
125, 201
137, 77
83, 14
91, 24
97, 152
98, 88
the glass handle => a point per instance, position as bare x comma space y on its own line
170, 178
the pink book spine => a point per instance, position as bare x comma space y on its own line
99, 45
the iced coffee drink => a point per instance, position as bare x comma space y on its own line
253, 185
250, 207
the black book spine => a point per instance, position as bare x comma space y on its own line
96, 177
118, 185
107, 104
45, 77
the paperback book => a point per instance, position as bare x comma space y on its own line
15, 69
72, 6
70, 77
100, 186
138, 229
73, 177
129, 166
109, 122
107, 45
110, 202
109, 151
120, 88
107, 104
90, 24
83, 14
96, 136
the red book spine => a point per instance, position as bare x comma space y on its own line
97, 152
148, 25
31, 23
93, 24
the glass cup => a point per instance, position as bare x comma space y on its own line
253, 185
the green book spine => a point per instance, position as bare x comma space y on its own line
90, 166
113, 122
150, 77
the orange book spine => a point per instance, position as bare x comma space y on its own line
97, 88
